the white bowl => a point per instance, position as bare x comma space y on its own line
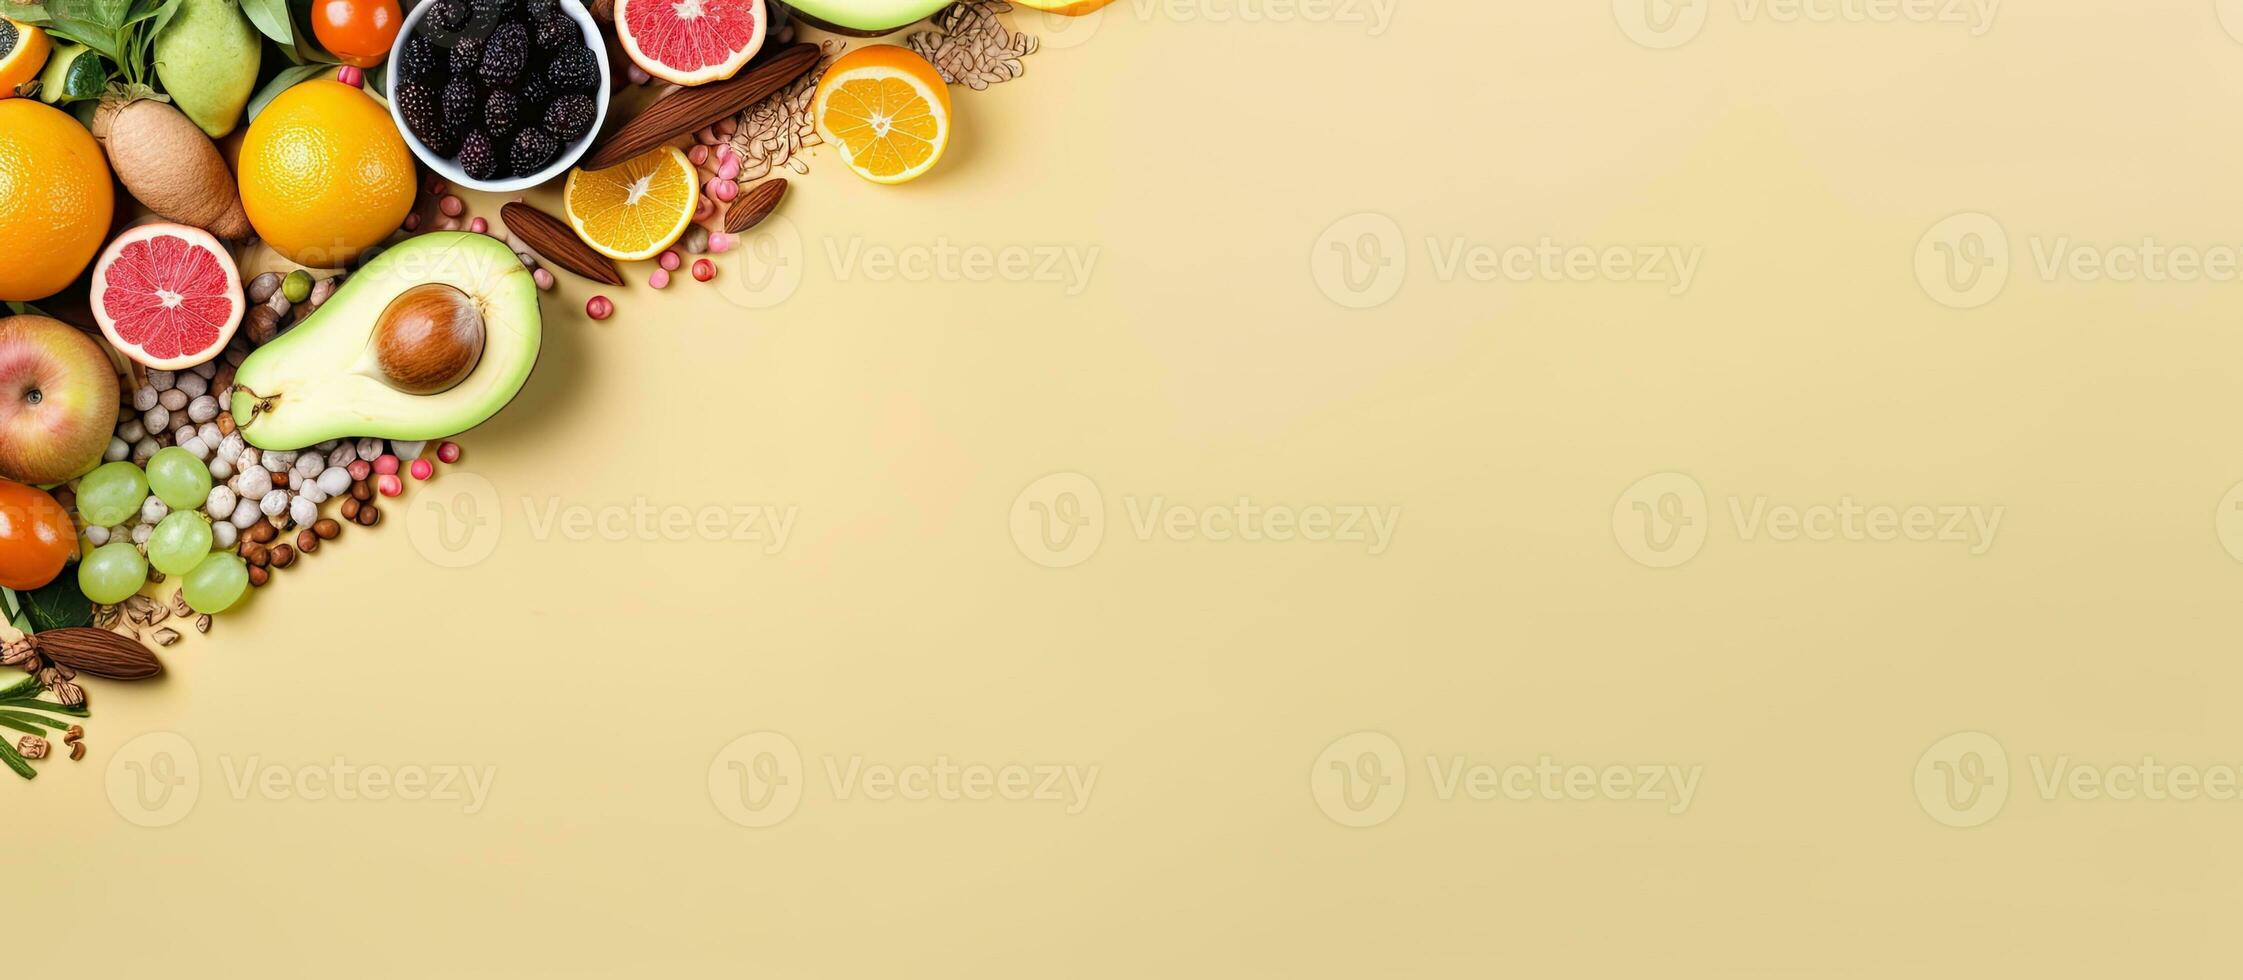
561, 163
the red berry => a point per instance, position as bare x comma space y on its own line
359, 469
386, 464
423, 469
389, 485
704, 270
599, 307
448, 451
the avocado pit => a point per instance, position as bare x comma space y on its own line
428, 339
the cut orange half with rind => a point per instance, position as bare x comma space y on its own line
633, 210
887, 110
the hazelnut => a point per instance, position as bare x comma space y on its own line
306, 541
283, 556
361, 491
350, 510
258, 576
327, 528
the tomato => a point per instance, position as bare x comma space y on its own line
36, 536
359, 32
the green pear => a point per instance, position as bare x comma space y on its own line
207, 59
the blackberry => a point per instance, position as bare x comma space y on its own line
479, 155
574, 70
417, 102
467, 55
555, 31
533, 149
535, 92
450, 15
538, 10
501, 112
463, 109
570, 116
422, 61
504, 56
491, 13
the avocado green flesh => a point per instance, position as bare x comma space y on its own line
320, 381
866, 18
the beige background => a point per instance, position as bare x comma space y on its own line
1204, 160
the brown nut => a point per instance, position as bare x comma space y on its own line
306, 541
283, 556
258, 555
258, 576
350, 512
361, 491
263, 532
326, 528
369, 516
77, 751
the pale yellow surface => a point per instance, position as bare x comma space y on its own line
901, 622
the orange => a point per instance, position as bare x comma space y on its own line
55, 200
635, 209
324, 174
887, 109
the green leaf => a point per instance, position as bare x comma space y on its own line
27, 687
16, 762
57, 604
9, 719
33, 703
288, 78
27, 13
13, 607
271, 18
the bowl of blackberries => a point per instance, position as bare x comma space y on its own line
499, 95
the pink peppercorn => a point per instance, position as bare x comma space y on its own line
479, 226
727, 190
728, 168
704, 270
385, 464
706, 209
599, 307
698, 155
452, 206
413, 221
719, 242
423, 469
351, 76
448, 451
670, 260
545, 281
660, 279
389, 485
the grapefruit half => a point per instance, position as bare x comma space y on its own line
691, 42
167, 295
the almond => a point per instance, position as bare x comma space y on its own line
98, 652
554, 242
754, 206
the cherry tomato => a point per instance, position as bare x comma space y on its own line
36, 536
359, 32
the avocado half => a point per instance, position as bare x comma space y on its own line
865, 18
334, 374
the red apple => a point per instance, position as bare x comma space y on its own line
58, 400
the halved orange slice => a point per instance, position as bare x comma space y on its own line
635, 209
887, 109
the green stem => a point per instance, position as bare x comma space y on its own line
17, 762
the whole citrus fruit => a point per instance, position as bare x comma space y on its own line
55, 200
324, 175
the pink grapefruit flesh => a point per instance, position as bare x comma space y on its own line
167, 295
691, 42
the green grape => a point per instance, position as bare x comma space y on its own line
180, 542
112, 573
181, 480
112, 492
217, 583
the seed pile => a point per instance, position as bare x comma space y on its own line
971, 47
773, 133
